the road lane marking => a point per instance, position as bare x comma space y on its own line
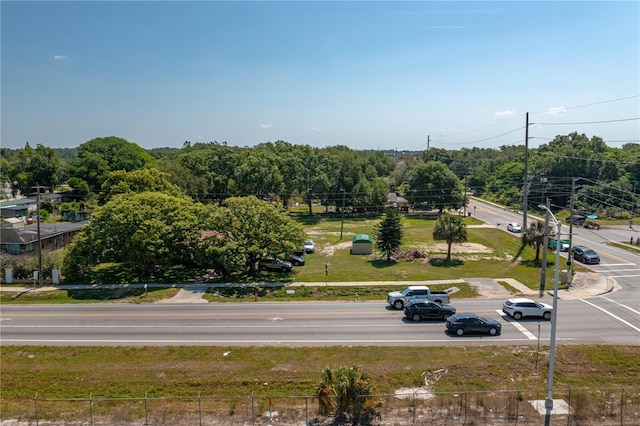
624, 276
517, 325
612, 315
466, 338
620, 304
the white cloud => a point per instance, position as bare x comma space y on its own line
506, 113
317, 129
556, 111
200, 137
59, 57
266, 126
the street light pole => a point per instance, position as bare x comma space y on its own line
548, 403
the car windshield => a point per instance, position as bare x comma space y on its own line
589, 252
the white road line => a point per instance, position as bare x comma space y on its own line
517, 325
620, 270
624, 276
620, 304
612, 315
269, 342
617, 264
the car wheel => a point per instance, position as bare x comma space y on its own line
398, 304
493, 331
283, 270
546, 315
459, 332
517, 315
416, 317
263, 268
445, 316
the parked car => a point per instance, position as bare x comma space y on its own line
274, 264
514, 227
428, 310
309, 246
471, 323
297, 260
522, 307
585, 255
577, 219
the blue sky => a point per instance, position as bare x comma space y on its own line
368, 75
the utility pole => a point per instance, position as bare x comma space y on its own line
428, 141
525, 189
39, 238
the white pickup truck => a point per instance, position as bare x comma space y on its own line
420, 293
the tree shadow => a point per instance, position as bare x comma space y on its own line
444, 263
382, 263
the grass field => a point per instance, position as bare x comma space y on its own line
69, 372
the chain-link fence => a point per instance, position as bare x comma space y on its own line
620, 406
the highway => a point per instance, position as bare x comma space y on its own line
302, 324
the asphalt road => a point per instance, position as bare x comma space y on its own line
300, 324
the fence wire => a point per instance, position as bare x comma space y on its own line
603, 407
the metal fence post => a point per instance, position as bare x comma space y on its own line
35, 402
306, 409
465, 408
91, 409
413, 406
200, 409
253, 415
569, 404
622, 406
518, 405
146, 418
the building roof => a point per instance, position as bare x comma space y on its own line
29, 233
362, 238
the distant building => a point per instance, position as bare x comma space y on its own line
18, 238
397, 201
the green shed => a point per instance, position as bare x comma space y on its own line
361, 244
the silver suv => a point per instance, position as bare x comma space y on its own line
520, 307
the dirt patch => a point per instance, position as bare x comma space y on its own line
329, 250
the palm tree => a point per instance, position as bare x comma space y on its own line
345, 392
452, 229
534, 236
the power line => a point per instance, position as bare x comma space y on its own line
593, 104
589, 122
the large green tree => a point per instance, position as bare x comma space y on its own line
122, 182
389, 232
434, 186
452, 229
149, 232
99, 156
248, 229
31, 167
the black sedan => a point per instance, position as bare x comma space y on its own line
471, 323
428, 310
297, 260
585, 255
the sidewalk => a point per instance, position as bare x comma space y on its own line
584, 285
